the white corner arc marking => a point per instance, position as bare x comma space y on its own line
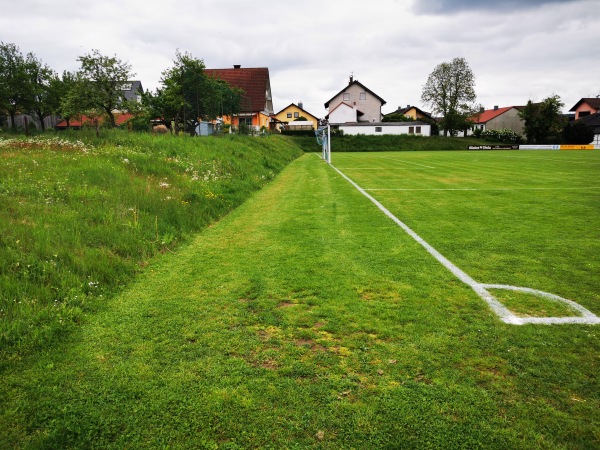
507, 316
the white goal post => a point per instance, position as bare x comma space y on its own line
323, 135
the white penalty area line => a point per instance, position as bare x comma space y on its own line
571, 161
482, 289
587, 188
403, 162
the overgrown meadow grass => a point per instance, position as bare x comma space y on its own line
80, 215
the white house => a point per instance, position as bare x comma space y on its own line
354, 103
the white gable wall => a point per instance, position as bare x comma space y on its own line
342, 114
360, 99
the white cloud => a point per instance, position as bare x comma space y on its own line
517, 50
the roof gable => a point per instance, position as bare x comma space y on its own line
297, 107
490, 114
253, 81
407, 109
594, 102
356, 82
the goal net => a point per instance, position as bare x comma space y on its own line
324, 140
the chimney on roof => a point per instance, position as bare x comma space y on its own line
495, 107
237, 66
408, 106
300, 105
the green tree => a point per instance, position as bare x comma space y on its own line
543, 122
450, 91
578, 132
99, 85
43, 99
397, 118
14, 87
187, 95
72, 96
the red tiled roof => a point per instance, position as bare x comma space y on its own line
253, 81
120, 119
489, 114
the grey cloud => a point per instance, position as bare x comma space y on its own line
455, 6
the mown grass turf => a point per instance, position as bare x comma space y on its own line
305, 319
507, 217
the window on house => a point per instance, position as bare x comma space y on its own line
584, 113
346, 96
289, 115
378, 130
362, 96
411, 130
418, 130
296, 115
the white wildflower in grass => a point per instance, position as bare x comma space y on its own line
44, 142
164, 184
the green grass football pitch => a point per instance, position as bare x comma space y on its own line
516, 218
306, 318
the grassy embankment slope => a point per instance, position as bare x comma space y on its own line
78, 220
304, 319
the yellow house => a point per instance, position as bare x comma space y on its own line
288, 117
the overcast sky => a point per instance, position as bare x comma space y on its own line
517, 49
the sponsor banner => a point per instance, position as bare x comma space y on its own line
539, 147
556, 147
577, 147
493, 147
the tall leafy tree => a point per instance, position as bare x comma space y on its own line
543, 122
68, 92
450, 91
43, 99
187, 95
99, 85
14, 87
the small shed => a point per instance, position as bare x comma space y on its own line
205, 129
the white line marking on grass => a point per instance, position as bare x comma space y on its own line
405, 162
551, 159
587, 188
481, 289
